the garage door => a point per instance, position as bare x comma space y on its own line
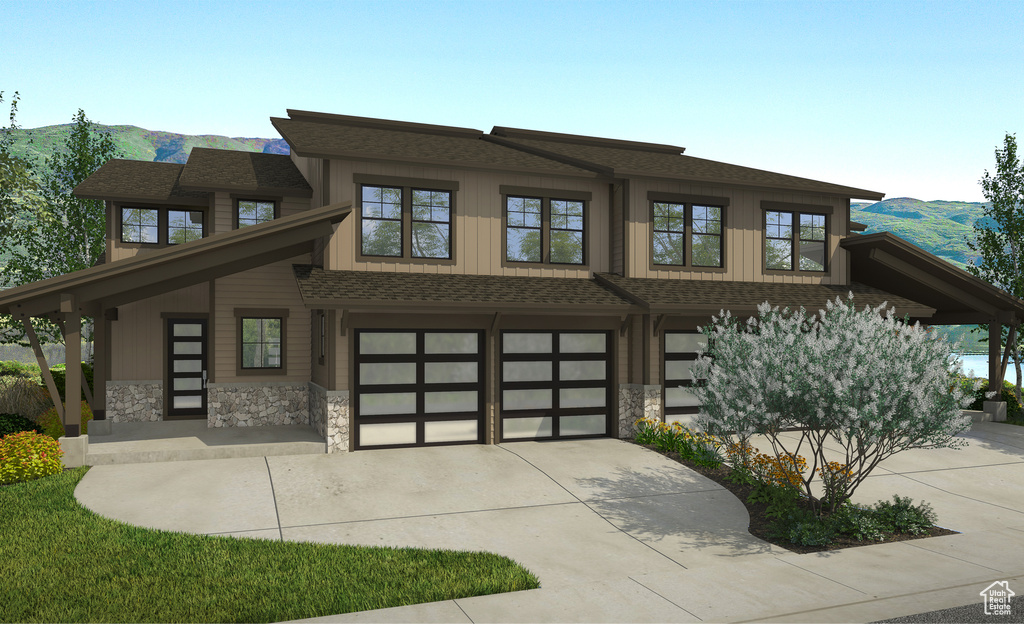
555, 384
418, 387
680, 351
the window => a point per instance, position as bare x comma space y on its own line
789, 248
253, 211
262, 341
544, 226
686, 231
406, 218
140, 225
184, 226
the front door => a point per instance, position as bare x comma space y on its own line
187, 351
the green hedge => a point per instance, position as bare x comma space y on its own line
58, 372
31, 371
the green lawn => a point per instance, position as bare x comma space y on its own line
63, 563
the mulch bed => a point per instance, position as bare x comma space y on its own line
760, 526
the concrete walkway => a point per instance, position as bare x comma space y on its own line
614, 532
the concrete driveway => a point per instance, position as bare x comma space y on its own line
614, 532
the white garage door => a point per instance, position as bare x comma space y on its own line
555, 384
418, 388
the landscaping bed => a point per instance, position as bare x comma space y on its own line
761, 526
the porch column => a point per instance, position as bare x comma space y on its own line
73, 366
995, 406
101, 356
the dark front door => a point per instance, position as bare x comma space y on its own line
187, 351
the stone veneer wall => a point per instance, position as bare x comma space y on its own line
135, 401
328, 415
257, 404
637, 401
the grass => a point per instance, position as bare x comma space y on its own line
64, 563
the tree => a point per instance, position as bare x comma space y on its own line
60, 233
868, 386
1002, 247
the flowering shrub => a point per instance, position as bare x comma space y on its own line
28, 455
870, 384
53, 426
701, 448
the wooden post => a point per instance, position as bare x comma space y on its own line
100, 337
72, 365
995, 383
85, 382
44, 369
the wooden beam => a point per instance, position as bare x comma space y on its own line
995, 330
44, 368
73, 374
85, 382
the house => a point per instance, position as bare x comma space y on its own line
399, 284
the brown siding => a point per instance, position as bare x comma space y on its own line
744, 236
137, 345
224, 213
478, 219
271, 286
319, 372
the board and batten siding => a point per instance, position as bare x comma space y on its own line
137, 336
270, 286
744, 234
477, 225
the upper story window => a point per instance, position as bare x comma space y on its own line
687, 230
545, 226
796, 240
158, 226
254, 211
184, 226
140, 225
404, 218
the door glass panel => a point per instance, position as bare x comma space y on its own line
685, 343
581, 397
582, 343
187, 402
526, 399
387, 373
188, 383
526, 371
595, 424
387, 433
538, 427
678, 369
450, 372
437, 402
451, 431
188, 348
386, 404
581, 371
189, 329
680, 397
456, 342
374, 343
526, 343
188, 366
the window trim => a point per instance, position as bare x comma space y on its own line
261, 313
689, 201
407, 185
167, 217
163, 232
240, 198
796, 210
546, 195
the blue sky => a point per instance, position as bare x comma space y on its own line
907, 98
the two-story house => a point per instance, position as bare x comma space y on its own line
400, 284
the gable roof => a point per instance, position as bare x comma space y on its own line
138, 180
487, 293
321, 135
231, 170
629, 158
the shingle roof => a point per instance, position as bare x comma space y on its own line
707, 296
337, 136
215, 169
622, 158
336, 289
138, 180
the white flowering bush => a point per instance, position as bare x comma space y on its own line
868, 385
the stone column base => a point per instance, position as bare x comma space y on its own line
74, 449
637, 401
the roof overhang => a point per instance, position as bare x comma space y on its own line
180, 266
888, 262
